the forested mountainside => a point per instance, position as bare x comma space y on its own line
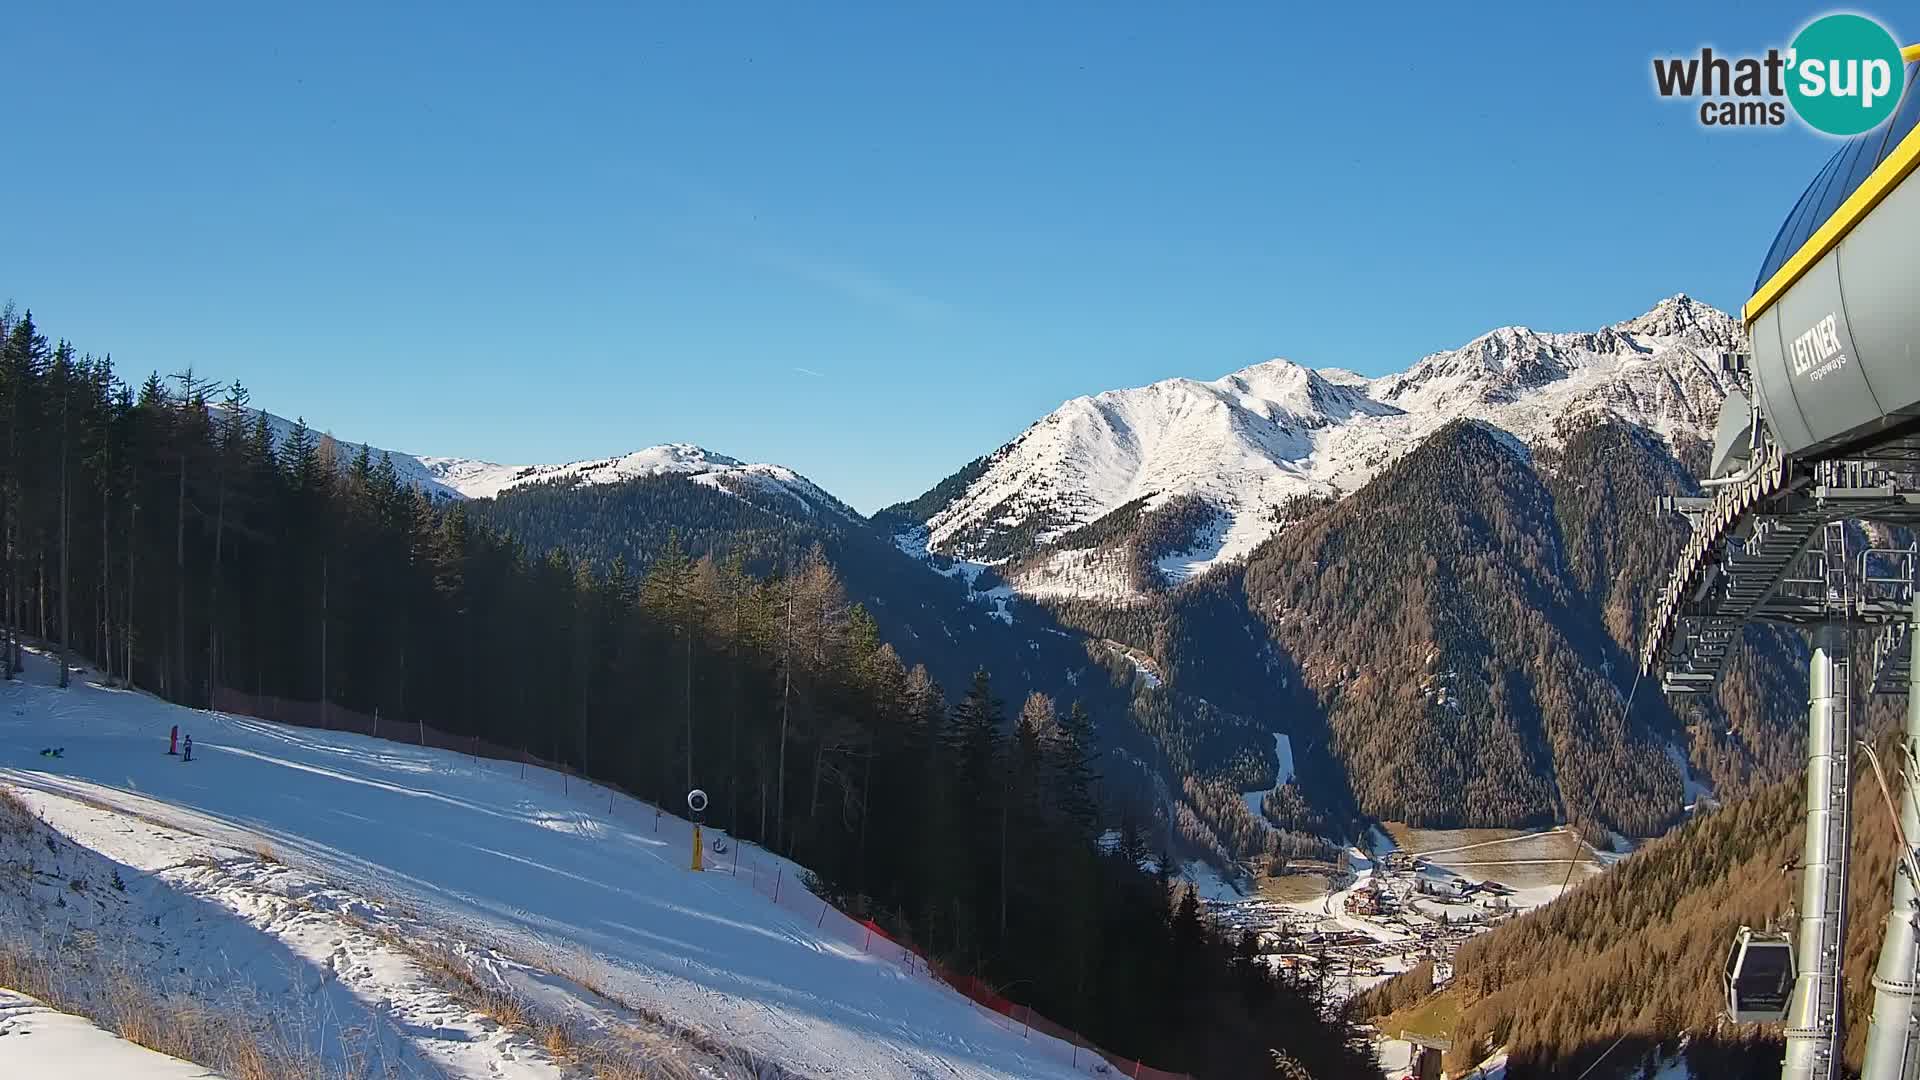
1485, 549
1172, 756
178, 546
1435, 616
1454, 636
954, 623
1638, 951
1456, 641
1605, 478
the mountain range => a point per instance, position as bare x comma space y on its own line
1429, 583
1241, 449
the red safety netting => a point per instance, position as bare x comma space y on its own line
1083, 1053
774, 878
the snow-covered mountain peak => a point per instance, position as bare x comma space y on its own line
776, 485
483, 479
1505, 367
471, 478
1681, 317
1250, 441
1240, 443
678, 457
1343, 377
1303, 395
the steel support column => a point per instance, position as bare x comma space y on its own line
1815, 1024
1893, 1039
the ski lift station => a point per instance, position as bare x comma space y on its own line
1823, 435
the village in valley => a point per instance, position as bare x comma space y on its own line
1417, 895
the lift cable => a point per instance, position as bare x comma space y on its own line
1573, 860
1603, 1056
1906, 852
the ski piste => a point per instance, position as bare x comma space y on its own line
536, 863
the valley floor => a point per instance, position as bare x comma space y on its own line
408, 912
1314, 921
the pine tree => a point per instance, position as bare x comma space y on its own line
668, 594
62, 377
1073, 753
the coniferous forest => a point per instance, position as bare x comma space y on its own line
160, 534
1635, 955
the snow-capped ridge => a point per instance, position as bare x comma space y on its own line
471, 478
1255, 438
1681, 316
787, 488
1303, 395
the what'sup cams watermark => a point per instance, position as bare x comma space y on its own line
1842, 75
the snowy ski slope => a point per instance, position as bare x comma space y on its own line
83, 1051
486, 856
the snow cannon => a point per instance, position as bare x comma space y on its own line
697, 803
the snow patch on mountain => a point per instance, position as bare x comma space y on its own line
997, 597
1208, 884
1249, 441
32, 1033
1208, 549
1079, 572
1694, 793
1283, 765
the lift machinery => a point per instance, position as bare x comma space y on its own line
1818, 453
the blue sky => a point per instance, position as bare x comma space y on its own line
868, 241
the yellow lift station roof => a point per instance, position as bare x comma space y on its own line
1854, 181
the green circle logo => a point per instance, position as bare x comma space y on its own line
1846, 74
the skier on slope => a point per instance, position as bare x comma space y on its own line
188, 748
173, 741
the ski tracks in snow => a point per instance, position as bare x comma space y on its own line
419, 1029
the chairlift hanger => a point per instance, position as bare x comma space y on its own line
1759, 977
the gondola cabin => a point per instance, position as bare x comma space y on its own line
1759, 977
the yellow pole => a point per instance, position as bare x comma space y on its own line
696, 847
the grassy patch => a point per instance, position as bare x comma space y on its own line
222, 1037
77, 972
1437, 1015
1295, 887
16, 819
620, 1052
